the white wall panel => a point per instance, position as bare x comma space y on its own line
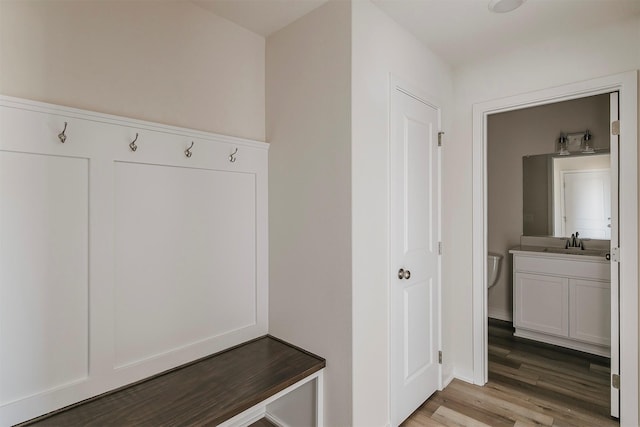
115, 264
43, 273
185, 257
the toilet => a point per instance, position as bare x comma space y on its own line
493, 268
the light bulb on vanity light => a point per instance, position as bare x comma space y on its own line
586, 147
562, 142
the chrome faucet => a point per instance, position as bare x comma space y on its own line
574, 242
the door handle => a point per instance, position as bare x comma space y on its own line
404, 274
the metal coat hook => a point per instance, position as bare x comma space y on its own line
188, 152
232, 156
61, 135
133, 145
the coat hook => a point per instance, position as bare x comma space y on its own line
133, 145
188, 152
232, 156
61, 135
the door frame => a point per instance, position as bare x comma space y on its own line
627, 86
397, 84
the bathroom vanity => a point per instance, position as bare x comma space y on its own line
562, 297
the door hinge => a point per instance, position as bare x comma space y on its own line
615, 381
439, 248
615, 254
440, 138
440, 358
615, 127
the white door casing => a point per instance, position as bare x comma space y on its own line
614, 146
624, 222
415, 263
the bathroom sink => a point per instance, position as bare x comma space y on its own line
577, 251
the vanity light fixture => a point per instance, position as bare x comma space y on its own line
504, 6
575, 142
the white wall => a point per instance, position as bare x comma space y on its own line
309, 128
596, 52
512, 135
380, 47
170, 62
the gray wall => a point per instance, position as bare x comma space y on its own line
515, 134
308, 65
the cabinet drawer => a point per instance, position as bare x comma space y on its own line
563, 267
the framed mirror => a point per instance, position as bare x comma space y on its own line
565, 194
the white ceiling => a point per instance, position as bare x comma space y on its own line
263, 17
464, 30
458, 31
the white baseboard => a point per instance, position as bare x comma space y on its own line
275, 420
600, 350
446, 381
500, 314
465, 378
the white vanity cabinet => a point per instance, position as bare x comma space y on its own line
562, 300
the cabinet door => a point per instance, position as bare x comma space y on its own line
589, 310
541, 303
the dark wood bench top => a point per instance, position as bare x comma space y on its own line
206, 392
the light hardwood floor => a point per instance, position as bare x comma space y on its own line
530, 383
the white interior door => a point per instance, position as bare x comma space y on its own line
615, 266
415, 264
586, 202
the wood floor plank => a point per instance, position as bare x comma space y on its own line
504, 407
595, 367
504, 360
429, 407
529, 384
591, 398
452, 418
516, 374
421, 419
561, 413
498, 350
471, 408
556, 365
585, 379
557, 408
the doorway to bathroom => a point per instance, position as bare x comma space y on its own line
626, 85
549, 212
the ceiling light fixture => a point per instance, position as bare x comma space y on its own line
504, 6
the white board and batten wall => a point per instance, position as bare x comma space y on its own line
118, 264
